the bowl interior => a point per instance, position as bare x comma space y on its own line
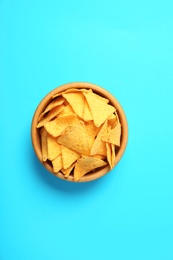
35, 135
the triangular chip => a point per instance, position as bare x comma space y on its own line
68, 156
43, 134
71, 90
113, 135
76, 100
99, 146
67, 171
75, 137
67, 111
109, 154
56, 126
54, 103
100, 110
52, 113
113, 155
85, 165
53, 148
57, 164
86, 112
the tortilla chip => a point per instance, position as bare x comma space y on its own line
113, 135
76, 100
109, 154
56, 126
86, 112
75, 137
67, 111
68, 157
54, 103
67, 171
113, 155
53, 148
99, 146
85, 165
100, 110
53, 113
57, 164
71, 90
43, 134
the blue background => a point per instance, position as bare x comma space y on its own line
126, 47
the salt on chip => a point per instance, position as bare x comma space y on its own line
52, 113
113, 135
43, 134
99, 146
100, 110
75, 137
56, 126
53, 148
76, 100
68, 156
85, 165
54, 103
57, 164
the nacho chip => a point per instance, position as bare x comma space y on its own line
113, 135
86, 112
100, 110
57, 164
71, 90
75, 137
99, 146
67, 171
53, 113
56, 126
43, 134
54, 103
113, 155
85, 165
68, 157
53, 148
76, 100
67, 111
92, 131
109, 154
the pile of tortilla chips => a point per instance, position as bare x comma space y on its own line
80, 133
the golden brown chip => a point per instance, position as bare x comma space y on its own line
113, 135
113, 155
71, 90
43, 134
86, 112
56, 126
53, 148
92, 131
76, 100
100, 110
54, 103
57, 164
68, 156
67, 171
67, 111
75, 137
52, 113
85, 165
109, 154
99, 146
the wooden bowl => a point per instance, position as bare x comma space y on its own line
102, 92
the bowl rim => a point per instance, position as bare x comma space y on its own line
99, 90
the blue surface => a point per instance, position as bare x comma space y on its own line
126, 47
